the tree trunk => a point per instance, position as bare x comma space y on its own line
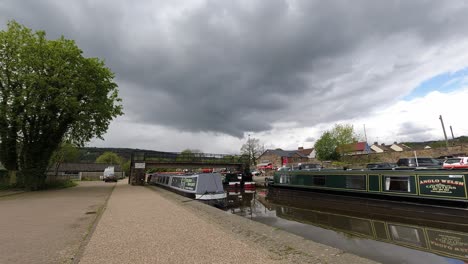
34, 169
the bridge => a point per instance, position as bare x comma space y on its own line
143, 161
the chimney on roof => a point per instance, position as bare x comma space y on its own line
395, 142
300, 148
383, 144
376, 143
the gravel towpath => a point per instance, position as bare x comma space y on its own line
151, 225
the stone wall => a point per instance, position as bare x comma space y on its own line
271, 158
393, 156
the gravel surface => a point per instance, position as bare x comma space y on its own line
48, 226
151, 225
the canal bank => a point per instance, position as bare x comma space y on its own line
384, 231
152, 225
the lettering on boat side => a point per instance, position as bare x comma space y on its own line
443, 186
438, 181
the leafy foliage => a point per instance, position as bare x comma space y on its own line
109, 158
325, 147
186, 156
332, 142
49, 93
67, 152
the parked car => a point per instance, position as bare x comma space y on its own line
284, 168
265, 166
381, 165
456, 163
421, 162
309, 166
256, 173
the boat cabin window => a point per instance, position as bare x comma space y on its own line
397, 184
319, 180
285, 179
356, 182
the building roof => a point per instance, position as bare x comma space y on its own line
304, 151
285, 153
381, 146
402, 146
86, 167
353, 147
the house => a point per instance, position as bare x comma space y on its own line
310, 152
79, 171
399, 147
356, 148
278, 157
379, 148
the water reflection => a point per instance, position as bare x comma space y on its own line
388, 232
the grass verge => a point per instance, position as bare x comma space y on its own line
60, 184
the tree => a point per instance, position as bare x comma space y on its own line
186, 156
109, 158
343, 135
331, 145
325, 147
67, 152
49, 93
253, 149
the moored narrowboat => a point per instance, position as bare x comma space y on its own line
201, 186
428, 184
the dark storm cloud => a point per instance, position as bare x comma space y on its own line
228, 67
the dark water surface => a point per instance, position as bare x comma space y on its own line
388, 232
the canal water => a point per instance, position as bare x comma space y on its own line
388, 232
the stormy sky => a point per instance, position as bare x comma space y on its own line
205, 74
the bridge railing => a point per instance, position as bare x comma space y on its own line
184, 157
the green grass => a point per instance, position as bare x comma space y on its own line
60, 184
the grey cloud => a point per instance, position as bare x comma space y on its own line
224, 67
310, 139
410, 131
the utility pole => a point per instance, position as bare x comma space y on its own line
453, 138
443, 128
365, 136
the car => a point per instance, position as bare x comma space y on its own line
419, 162
109, 175
284, 168
256, 173
381, 165
456, 163
309, 166
265, 166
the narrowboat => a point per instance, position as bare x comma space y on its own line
422, 184
201, 186
238, 180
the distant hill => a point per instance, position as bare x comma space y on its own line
436, 143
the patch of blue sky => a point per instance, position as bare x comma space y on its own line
444, 83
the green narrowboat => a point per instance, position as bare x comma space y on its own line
429, 184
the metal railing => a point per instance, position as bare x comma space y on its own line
184, 157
